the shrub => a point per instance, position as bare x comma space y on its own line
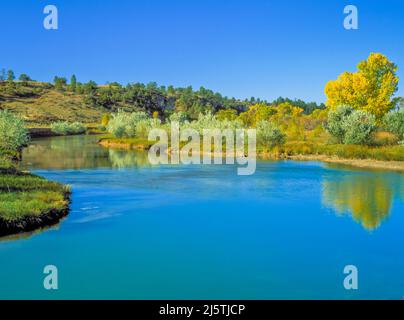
359, 126
384, 138
65, 128
13, 134
77, 128
61, 127
351, 126
124, 124
269, 134
394, 123
335, 123
144, 126
179, 117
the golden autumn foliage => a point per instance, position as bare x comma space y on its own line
289, 118
226, 114
368, 199
257, 113
371, 88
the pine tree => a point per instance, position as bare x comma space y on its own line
73, 83
10, 75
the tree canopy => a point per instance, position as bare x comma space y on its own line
370, 89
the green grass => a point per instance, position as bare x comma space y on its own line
130, 143
6, 165
383, 153
24, 194
16, 205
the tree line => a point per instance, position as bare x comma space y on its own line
152, 97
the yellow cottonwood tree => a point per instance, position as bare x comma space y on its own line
371, 88
256, 113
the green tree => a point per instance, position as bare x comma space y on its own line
73, 83
269, 135
351, 126
394, 123
335, 122
24, 77
359, 127
10, 75
60, 83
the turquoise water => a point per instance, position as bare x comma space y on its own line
202, 232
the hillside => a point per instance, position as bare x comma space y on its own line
40, 104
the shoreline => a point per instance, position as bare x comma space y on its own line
107, 143
31, 223
367, 163
358, 163
46, 132
55, 197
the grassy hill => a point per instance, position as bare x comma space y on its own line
41, 104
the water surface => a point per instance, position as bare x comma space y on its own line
137, 231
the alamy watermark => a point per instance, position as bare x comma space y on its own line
351, 280
50, 282
351, 21
215, 146
51, 21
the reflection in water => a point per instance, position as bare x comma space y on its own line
29, 234
127, 159
79, 152
367, 197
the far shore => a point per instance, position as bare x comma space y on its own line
359, 163
46, 132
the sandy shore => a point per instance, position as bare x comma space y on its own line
360, 163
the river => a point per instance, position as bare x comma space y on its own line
137, 231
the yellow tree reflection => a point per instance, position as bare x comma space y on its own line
367, 198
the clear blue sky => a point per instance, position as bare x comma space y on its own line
240, 48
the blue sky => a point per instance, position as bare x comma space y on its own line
240, 48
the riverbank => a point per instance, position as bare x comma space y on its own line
45, 132
29, 202
384, 157
359, 163
126, 143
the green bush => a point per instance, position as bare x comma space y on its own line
61, 127
359, 126
131, 125
77, 128
394, 123
351, 126
335, 123
210, 121
13, 134
269, 135
179, 117
65, 128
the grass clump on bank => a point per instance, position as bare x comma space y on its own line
24, 195
382, 153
